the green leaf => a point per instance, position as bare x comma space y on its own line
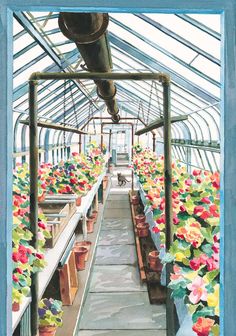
178, 293
215, 330
206, 311
212, 275
207, 249
207, 234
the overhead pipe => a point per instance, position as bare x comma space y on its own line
88, 31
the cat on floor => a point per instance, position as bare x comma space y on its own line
121, 179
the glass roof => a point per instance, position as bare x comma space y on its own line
185, 46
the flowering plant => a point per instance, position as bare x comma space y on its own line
195, 248
50, 312
25, 258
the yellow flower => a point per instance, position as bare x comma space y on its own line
213, 299
179, 256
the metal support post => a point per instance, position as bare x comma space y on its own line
132, 153
34, 196
170, 308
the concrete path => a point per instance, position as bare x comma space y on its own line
117, 303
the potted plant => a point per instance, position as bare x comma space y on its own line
50, 316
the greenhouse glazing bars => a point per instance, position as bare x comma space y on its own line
164, 79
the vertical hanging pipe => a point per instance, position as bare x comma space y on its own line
170, 309
154, 142
80, 143
109, 146
33, 197
88, 31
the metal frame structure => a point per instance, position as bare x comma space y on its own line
164, 79
227, 9
185, 93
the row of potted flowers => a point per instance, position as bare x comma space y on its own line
195, 248
75, 175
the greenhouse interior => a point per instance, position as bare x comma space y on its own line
116, 170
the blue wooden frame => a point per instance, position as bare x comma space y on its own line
228, 131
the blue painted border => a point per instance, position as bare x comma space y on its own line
228, 131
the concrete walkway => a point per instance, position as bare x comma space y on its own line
117, 303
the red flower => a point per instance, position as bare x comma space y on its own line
205, 200
42, 225
198, 208
15, 278
175, 220
19, 270
182, 208
68, 189
203, 326
195, 263
161, 220
196, 172
15, 256
155, 229
73, 181
205, 215
39, 256
23, 259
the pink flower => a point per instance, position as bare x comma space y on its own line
198, 290
188, 182
212, 264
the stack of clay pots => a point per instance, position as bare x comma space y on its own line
81, 251
141, 225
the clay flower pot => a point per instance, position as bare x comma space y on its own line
15, 306
135, 200
140, 219
47, 330
94, 217
95, 214
78, 201
86, 244
143, 229
90, 224
154, 261
80, 254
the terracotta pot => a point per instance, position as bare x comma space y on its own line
90, 224
135, 200
41, 197
78, 201
154, 261
95, 214
143, 229
86, 244
80, 254
47, 330
15, 306
140, 219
